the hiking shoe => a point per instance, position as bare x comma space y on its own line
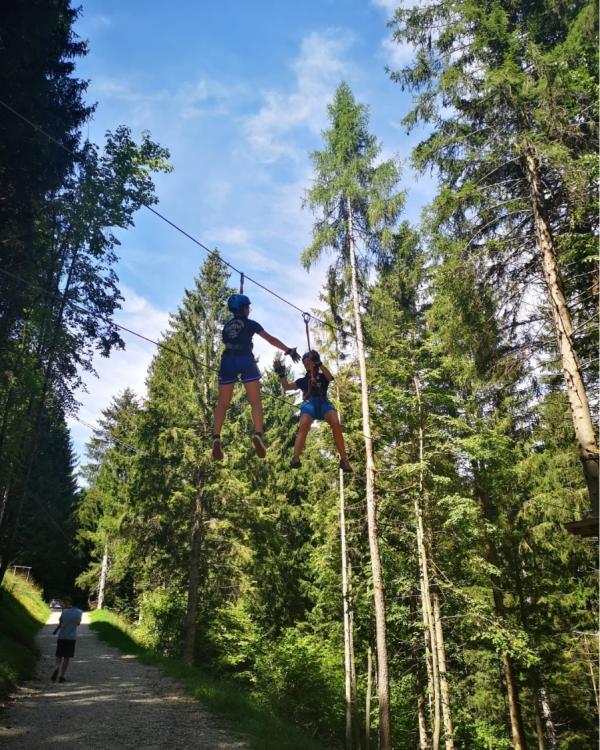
296, 463
54, 675
345, 465
217, 451
259, 446
62, 679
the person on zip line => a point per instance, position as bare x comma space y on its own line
238, 361
314, 387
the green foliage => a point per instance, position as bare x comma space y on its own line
349, 186
22, 614
245, 715
470, 440
302, 678
160, 626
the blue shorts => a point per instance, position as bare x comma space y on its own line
233, 365
316, 407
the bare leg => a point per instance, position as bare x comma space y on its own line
305, 422
225, 394
65, 664
253, 393
331, 417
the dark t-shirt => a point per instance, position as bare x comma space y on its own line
238, 332
318, 389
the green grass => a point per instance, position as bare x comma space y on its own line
245, 716
22, 614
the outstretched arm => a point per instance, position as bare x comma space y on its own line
274, 341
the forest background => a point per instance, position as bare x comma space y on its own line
435, 597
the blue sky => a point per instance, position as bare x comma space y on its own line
238, 92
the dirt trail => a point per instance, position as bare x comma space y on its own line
110, 702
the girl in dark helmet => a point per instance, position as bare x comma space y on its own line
314, 387
238, 361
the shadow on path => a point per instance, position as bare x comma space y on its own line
109, 701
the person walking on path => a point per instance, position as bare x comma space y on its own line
238, 362
316, 405
67, 626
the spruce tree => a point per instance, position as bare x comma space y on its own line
357, 209
511, 92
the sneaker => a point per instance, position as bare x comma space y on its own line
345, 465
217, 451
62, 679
54, 675
296, 463
259, 446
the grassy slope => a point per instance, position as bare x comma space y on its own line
245, 716
22, 614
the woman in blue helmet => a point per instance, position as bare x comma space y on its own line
316, 405
238, 361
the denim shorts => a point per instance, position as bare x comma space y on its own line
316, 407
234, 365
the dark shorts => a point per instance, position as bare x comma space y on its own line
238, 365
65, 648
316, 407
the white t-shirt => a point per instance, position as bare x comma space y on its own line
69, 620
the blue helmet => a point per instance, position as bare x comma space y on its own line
236, 301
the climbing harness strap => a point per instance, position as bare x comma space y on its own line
238, 348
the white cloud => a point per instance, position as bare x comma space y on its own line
319, 68
123, 369
92, 25
388, 5
191, 100
228, 236
397, 54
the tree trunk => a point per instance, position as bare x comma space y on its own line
189, 628
421, 704
561, 316
380, 624
351, 693
514, 704
550, 729
349, 677
368, 698
512, 689
426, 608
102, 581
354, 688
421, 717
592, 666
444, 689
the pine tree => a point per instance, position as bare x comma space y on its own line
358, 210
511, 91
104, 513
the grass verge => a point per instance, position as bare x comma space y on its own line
244, 714
22, 614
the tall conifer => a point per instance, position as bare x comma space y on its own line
358, 207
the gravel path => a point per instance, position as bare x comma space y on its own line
110, 701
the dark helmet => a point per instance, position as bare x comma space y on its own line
312, 354
236, 301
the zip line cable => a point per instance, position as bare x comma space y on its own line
107, 320
158, 344
196, 241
